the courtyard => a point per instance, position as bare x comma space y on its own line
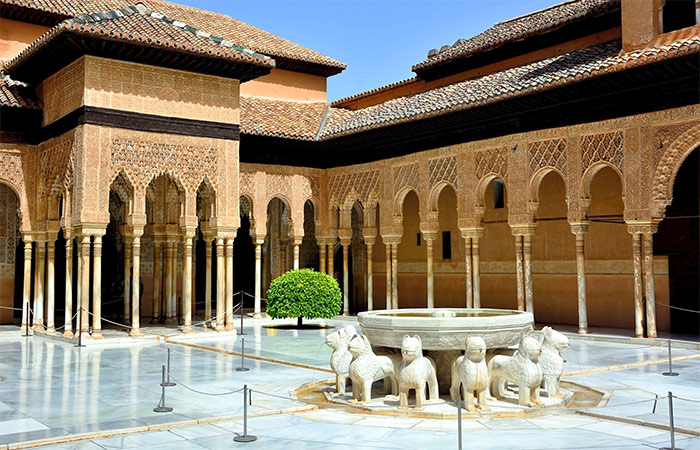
56, 395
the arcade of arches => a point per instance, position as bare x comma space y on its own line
588, 225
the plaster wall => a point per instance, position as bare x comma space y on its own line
287, 85
139, 88
16, 36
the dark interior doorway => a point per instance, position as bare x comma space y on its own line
244, 263
679, 238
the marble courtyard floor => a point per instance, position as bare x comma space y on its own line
102, 397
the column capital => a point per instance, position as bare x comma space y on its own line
579, 227
430, 235
523, 229
344, 233
388, 240
642, 227
472, 232
345, 241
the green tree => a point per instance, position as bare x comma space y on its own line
304, 293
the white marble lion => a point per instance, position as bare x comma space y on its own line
551, 363
341, 357
520, 369
470, 373
366, 368
416, 371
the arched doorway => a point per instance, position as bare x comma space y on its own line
678, 238
553, 248
11, 259
448, 254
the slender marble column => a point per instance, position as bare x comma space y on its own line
51, 286
27, 282
638, 289
476, 277
370, 283
581, 282
85, 284
97, 287
468, 270
157, 281
395, 274
187, 284
429, 239
220, 285
296, 255
389, 303
257, 312
322, 255
39, 286
207, 281
229, 284
346, 287
173, 281
168, 304
127, 279
136, 287
519, 271
68, 309
649, 284
527, 268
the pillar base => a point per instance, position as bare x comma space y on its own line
219, 328
187, 329
68, 334
582, 331
51, 330
38, 328
229, 328
639, 336
135, 332
257, 315
651, 335
96, 334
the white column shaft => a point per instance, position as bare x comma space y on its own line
370, 283
97, 287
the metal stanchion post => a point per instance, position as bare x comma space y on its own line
245, 437
459, 422
243, 368
80, 328
161, 405
240, 333
670, 372
167, 382
26, 328
671, 426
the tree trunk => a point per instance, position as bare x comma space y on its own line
299, 321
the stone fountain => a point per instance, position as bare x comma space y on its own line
444, 331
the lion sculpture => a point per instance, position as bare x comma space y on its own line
416, 371
520, 369
551, 363
341, 357
366, 368
470, 373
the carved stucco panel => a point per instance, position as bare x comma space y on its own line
364, 185
492, 160
606, 147
547, 153
442, 169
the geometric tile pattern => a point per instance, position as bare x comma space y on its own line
492, 160
443, 169
548, 153
365, 185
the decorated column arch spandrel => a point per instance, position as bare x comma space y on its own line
636, 176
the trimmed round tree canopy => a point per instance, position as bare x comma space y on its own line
304, 293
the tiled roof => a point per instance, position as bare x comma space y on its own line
137, 24
374, 91
14, 94
240, 33
538, 76
520, 28
286, 119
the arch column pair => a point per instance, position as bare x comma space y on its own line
643, 260
224, 281
392, 270
472, 237
90, 239
579, 229
523, 265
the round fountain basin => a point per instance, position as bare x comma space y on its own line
445, 328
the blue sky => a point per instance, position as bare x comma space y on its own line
378, 40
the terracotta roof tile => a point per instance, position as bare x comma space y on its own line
520, 28
15, 94
137, 24
286, 119
240, 33
538, 76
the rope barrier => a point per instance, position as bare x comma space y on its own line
14, 309
680, 309
201, 392
692, 400
109, 321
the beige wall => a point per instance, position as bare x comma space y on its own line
287, 85
16, 36
139, 88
